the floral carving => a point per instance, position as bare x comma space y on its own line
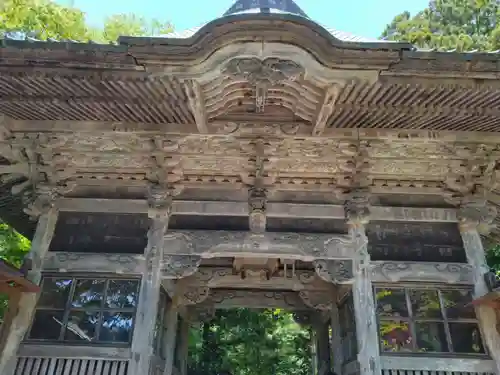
317, 300
179, 266
416, 271
335, 271
269, 71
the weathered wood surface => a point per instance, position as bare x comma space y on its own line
476, 257
364, 304
36, 350
224, 277
336, 340
297, 246
228, 299
127, 264
170, 337
273, 209
460, 365
149, 296
26, 304
396, 272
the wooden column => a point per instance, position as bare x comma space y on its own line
149, 294
357, 213
26, 304
171, 321
322, 344
336, 341
183, 346
475, 216
314, 351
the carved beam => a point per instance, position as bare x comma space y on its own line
224, 277
450, 273
318, 300
178, 266
294, 246
335, 271
273, 209
128, 264
197, 104
326, 109
228, 299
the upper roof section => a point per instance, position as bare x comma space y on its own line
266, 6
273, 8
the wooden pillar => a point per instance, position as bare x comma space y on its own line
171, 321
322, 345
183, 346
314, 351
149, 294
26, 304
336, 341
473, 217
357, 213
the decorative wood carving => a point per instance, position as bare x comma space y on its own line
326, 108
453, 273
127, 264
335, 271
357, 207
227, 298
477, 213
197, 103
262, 74
209, 244
179, 266
318, 300
192, 295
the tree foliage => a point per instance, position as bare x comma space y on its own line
463, 25
13, 248
43, 19
245, 341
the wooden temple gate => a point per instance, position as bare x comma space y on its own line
261, 160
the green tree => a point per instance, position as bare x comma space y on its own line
245, 341
44, 19
132, 25
13, 248
463, 25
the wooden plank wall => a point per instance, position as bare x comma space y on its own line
70, 366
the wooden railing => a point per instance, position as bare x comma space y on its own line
70, 360
50, 366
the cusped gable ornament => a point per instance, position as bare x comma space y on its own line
270, 71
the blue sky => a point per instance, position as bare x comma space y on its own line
362, 17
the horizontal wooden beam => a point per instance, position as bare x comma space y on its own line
38, 350
474, 365
398, 272
277, 210
127, 264
230, 299
223, 277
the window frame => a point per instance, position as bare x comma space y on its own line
101, 310
444, 320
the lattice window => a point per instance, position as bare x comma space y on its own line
428, 320
84, 310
